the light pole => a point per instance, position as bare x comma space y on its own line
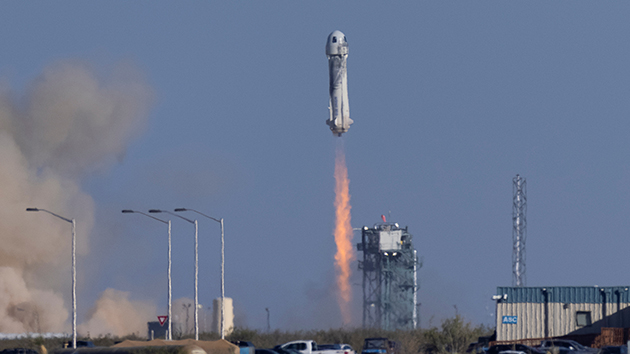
187, 307
169, 333
74, 272
194, 222
220, 221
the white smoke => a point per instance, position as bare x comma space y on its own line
68, 125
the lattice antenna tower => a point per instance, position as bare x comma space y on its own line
519, 230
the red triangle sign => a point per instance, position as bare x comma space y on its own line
162, 319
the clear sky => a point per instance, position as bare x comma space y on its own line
450, 100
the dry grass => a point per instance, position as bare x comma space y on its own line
409, 341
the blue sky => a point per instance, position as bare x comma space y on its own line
450, 101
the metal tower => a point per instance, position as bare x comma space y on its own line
519, 230
389, 268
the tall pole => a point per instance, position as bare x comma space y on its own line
194, 222
170, 326
74, 285
74, 272
222, 282
196, 282
169, 332
222, 265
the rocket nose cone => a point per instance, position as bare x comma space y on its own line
336, 40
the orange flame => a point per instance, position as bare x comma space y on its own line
343, 234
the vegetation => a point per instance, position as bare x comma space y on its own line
453, 336
51, 344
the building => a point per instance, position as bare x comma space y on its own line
544, 312
228, 315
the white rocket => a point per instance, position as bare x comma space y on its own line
337, 53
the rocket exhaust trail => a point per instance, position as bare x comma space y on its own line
343, 233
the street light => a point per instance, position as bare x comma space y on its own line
194, 222
169, 333
74, 272
220, 221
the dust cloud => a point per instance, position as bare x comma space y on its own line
68, 125
115, 314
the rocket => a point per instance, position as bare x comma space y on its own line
337, 53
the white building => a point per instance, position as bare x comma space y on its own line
228, 313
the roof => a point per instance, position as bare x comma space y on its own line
564, 294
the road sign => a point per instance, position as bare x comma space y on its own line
162, 319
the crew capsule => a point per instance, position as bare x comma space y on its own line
337, 44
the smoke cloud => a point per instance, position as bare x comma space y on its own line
24, 308
115, 314
67, 125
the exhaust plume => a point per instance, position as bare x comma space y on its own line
343, 234
68, 125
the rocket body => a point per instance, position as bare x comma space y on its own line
337, 53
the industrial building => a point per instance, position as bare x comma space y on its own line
390, 286
545, 312
228, 316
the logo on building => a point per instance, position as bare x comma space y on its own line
510, 319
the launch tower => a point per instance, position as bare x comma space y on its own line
519, 230
390, 287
